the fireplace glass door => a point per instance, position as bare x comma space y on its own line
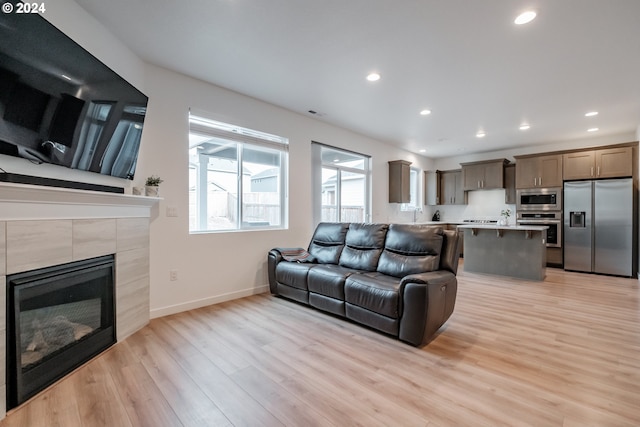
57, 318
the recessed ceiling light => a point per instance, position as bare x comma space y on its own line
524, 127
425, 112
64, 76
422, 151
336, 160
591, 114
593, 130
481, 134
373, 77
525, 17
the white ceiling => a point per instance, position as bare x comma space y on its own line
463, 59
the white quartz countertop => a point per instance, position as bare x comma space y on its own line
506, 227
442, 222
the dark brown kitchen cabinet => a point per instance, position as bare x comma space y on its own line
485, 175
539, 171
450, 188
604, 163
399, 181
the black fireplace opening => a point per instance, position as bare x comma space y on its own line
57, 319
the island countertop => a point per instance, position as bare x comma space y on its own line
443, 223
505, 227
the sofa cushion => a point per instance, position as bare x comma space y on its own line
374, 291
411, 249
328, 280
324, 303
293, 274
364, 243
328, 241
371, 319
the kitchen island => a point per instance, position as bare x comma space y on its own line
514, 251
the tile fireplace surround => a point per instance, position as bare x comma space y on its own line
45, 226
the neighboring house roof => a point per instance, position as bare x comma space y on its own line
273, 172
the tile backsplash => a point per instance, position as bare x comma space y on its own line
481, 204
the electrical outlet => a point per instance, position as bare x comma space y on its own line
173, 275
172, 211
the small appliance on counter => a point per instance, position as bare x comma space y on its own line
436, 216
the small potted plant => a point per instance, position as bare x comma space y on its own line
151, 186
506, 213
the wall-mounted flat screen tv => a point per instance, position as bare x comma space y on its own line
61, 105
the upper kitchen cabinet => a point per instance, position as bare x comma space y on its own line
450, 188
483, 175
399, 184
605, 163
539, 171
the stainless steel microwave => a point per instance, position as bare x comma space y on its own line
539, 199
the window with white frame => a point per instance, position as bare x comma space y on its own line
415, 188
342, 183
237, 177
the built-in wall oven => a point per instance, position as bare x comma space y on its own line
551, 219
539, 199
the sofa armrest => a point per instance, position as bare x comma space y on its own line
450, 251
273, 258
428, 300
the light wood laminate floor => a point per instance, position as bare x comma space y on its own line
563, 352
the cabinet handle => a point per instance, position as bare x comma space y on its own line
535, 182
540, 181
591, 170
598, 171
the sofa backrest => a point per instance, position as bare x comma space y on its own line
406, 247
328, 241
363, 246
411, 249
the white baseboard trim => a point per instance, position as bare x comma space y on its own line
191, 305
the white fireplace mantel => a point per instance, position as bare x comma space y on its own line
33, 202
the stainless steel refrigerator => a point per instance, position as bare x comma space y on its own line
599, 226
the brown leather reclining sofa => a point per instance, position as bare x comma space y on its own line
396, 278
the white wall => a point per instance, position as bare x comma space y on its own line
218, 266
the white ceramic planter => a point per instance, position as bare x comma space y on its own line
152, 190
